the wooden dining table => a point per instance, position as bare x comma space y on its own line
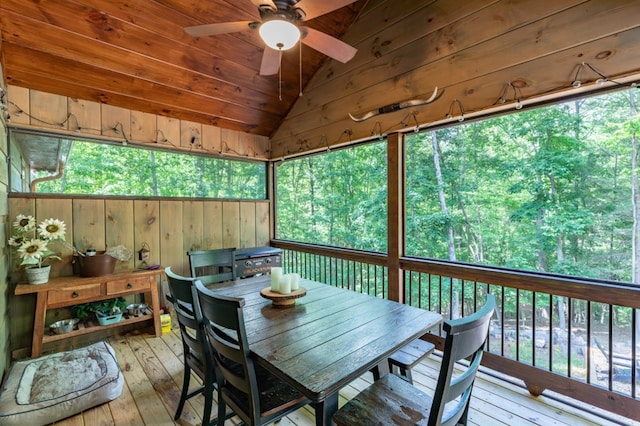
328, 338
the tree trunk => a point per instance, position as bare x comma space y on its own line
154, 176
443, 202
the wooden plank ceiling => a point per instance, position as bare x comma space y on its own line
135, 54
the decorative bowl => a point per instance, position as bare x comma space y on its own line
137, 309
64, 326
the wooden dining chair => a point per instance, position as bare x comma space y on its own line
212, 266
393, 401
196, 352
195, 348
255, 395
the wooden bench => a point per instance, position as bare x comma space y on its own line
402, 361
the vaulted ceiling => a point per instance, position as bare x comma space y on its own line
482, 55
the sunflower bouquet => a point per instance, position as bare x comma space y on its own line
32, 241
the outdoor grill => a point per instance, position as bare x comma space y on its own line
252, 261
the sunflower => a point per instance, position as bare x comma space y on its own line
24, 223
52, 229
31, 251
16, 240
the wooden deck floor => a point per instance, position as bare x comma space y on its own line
152, 368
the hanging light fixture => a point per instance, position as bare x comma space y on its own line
279, 34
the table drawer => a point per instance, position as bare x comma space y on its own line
74, 294
127, 285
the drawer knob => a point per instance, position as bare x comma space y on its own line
74, 294
129, 285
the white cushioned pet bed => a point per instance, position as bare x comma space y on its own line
46, 389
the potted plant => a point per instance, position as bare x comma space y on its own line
31, 243
107, 311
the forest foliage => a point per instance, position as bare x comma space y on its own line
547, 189
94, 168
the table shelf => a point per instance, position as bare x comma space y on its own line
87, 327
67, 291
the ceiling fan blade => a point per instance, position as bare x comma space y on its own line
330, 46
315, 8
270, 61
215, 29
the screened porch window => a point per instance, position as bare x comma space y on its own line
548, 190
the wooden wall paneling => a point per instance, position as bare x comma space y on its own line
172, 237
480, 91
253, 145
392, 52
59, 209
120, 229
381, 82
231, 224
211, 138
247, 224
168, 131
85, 116
89, 229
262, 146
212, 233
19, 105
147, 228
262, 224
190, 134
20, 308
193, 214
116, 122
48, 110
229, 141
143, 127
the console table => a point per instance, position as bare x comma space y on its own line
67, 291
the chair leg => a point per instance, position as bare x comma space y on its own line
222, 411
185, 391
208, 402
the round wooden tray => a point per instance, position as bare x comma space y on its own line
280, 300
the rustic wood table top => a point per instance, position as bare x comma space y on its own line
327, 339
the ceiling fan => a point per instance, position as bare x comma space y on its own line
280, 29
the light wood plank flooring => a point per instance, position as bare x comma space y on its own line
152, 368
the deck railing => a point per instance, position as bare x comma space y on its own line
574, 336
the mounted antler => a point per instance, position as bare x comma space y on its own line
398, 106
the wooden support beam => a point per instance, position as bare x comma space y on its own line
395, 228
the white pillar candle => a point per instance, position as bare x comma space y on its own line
285, 284
295, 281
276, 274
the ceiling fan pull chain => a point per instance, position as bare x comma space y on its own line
300, 75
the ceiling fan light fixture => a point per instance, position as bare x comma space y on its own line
279, 34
